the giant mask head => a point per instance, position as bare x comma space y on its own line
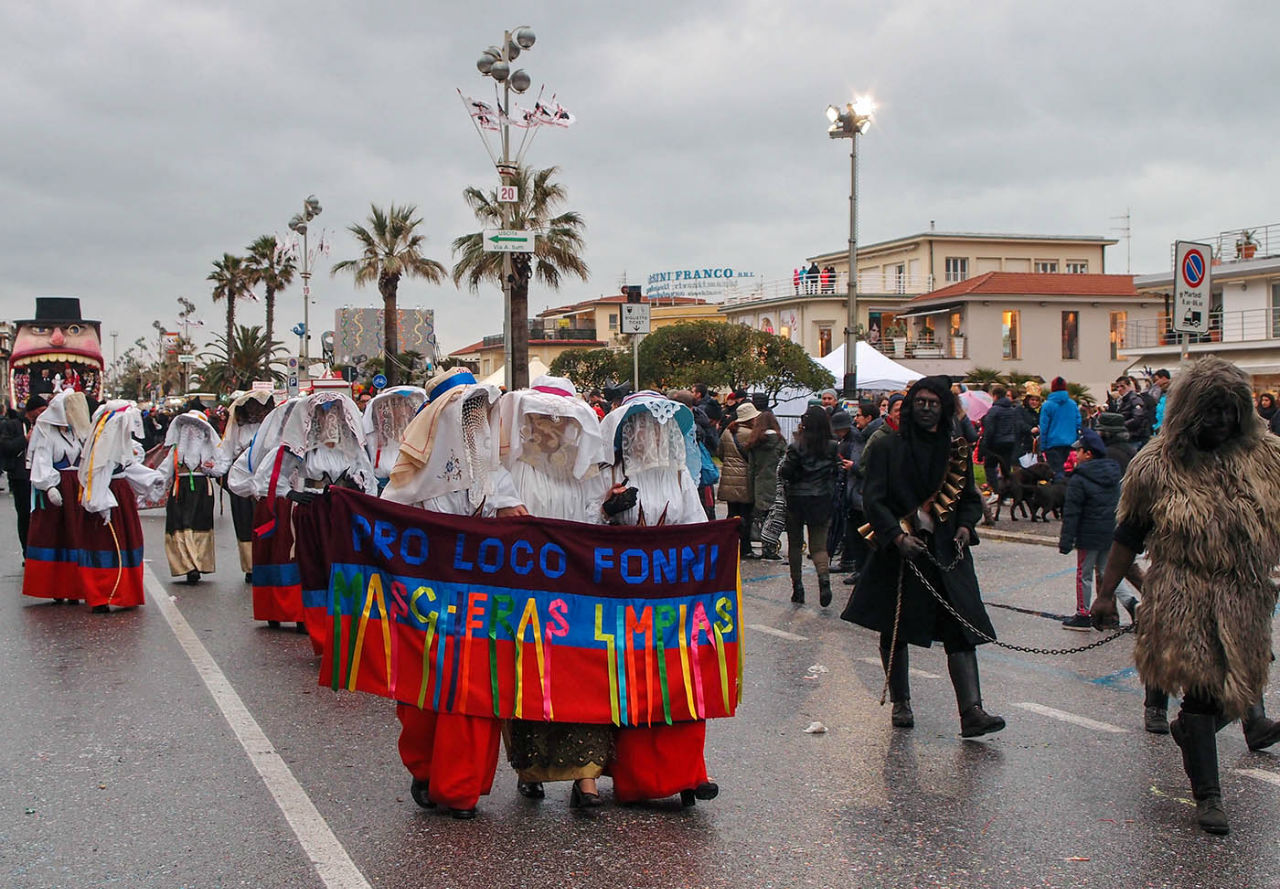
56, 347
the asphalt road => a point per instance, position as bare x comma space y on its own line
120, 767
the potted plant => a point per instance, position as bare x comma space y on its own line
898, 336
1247, 244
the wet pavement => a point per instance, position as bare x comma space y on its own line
118, 767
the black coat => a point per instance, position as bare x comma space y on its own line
1003, 426
13, 446
1089, 514
886, 498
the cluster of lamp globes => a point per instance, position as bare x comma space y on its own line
854, 117
310, 210
496, 63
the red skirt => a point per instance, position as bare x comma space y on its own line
277, 585
111, 554
656, 762
53, 544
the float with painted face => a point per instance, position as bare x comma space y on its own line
56, 350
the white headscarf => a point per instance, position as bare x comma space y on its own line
55, 437
195, 442
386, 417
448, 447
578, 448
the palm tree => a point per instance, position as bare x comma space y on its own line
390, 248
248, 359
231, 280
273, 269
556, 252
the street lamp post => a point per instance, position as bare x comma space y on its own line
848, 123
310, 210
496, 62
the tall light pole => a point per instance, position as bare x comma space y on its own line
496, 62
848, 123
310, 210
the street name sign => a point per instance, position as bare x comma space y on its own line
635, 318
186, 359
499, 240
1191, 287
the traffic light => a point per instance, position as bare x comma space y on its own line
631, 292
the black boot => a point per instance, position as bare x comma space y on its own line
899, 683
974, 721
824, 589
1155, 718
797, 586
1259, 731
1196, 734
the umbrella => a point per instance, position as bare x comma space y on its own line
976, 403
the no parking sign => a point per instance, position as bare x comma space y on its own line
1191, 287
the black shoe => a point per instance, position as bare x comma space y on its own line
845, 568
1078, 622
687, 799
902, 715
852, 579
797, 592
1156, 720
58, 601
101, 609
463, 814
248, 577
771, 555
707, 790
531, 789
748, 555
193, 577
418, 790
1196, 734
299, 627
974, 721
274, 624
581, 799
824, 591
1259, 731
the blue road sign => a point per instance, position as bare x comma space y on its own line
380, 381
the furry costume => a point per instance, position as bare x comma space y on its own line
1214, 519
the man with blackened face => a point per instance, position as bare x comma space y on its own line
922, 506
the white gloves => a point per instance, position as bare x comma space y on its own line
54, 496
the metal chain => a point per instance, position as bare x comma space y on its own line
942, 600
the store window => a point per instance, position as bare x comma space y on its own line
1011, 335
1070, 335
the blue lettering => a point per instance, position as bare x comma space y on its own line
625, 561
384, 533
522, 546
490, 555
549, 570
458, 561
603, 560
693, 563
664, 565
359, 528
420, 536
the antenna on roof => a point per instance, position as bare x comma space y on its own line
1126, 232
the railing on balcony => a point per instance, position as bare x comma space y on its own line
1237, 244
538, 332
837, 285
1249, 325
955, 347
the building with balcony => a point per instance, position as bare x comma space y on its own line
1068, 325
812, 309
590, 324
1244, 318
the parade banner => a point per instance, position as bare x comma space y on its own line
523, 617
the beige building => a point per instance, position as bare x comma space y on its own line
1244, 319
591, 324
812, 310
1068, 325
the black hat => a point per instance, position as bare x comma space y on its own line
841, 420
34, 402
57, 310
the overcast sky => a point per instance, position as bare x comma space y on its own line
143, 139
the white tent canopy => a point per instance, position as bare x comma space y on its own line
499, 377
876, 372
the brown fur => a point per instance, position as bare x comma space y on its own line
1205, 621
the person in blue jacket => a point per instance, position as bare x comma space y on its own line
1059, 426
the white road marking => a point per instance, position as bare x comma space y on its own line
912, 671
1072, 718
1261, 775
781, 634
331, 861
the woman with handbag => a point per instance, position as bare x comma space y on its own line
735, 484
765, 448
808, 471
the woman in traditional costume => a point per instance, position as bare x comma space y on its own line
188, 512
244, 419
385, 419
655, 450
52, 569
112, 476
550, 443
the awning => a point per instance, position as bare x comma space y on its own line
920, 313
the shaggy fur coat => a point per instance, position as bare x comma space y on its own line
1214, 518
